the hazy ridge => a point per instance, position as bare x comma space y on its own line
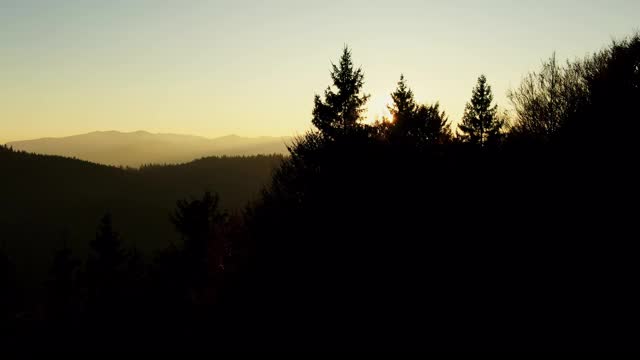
142, 147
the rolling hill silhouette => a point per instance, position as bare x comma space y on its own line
60, 200
141, 147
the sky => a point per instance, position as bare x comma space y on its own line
251, 68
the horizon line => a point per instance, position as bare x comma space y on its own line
232, 135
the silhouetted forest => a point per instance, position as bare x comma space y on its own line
508, 231
48, 201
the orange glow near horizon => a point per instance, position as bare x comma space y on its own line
214, 68
377, 108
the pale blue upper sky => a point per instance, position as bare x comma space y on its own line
252, 67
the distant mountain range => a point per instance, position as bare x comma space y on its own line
141, 147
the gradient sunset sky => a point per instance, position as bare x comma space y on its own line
251, 68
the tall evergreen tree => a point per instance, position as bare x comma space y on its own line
417, 124
200, 221
404, 107
480, 123
105, 265
343, 106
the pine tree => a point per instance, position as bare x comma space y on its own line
342, 109
480, 123
200, 221
404, 107
413, 123
105, 266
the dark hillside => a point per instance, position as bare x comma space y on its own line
51, 200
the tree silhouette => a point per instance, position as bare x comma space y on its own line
480, 123
403, 109
613, 79
432, 125
343, 107
201, 225
105, 268
546, 100
413, 123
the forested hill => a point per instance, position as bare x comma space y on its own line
51, 200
